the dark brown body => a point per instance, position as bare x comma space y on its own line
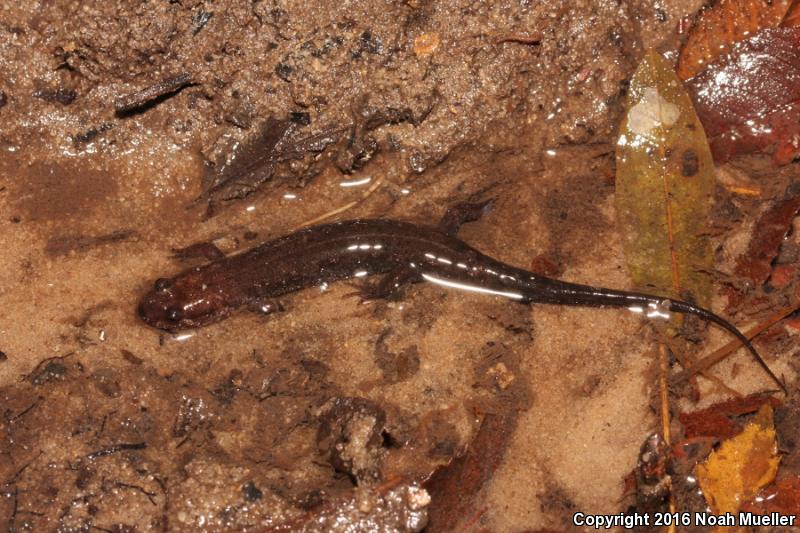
405, 252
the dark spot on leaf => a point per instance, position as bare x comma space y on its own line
251, 492
691, 163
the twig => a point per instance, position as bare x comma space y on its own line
117, 448
519, 39
744, 190
687, 361
663, 366
150, 495
343, 208
13, 479
663, 382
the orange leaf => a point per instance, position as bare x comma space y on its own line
734, 473
722, 25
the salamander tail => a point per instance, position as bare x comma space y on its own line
687, 308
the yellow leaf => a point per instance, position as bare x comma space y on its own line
733, 474
665, 183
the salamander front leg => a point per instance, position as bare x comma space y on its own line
265, 306
460, 214
200, 250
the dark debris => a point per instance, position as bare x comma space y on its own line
200, 19
151, 95
59, 95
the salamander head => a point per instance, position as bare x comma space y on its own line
183, 302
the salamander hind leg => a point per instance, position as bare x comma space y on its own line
462, 213
389, 287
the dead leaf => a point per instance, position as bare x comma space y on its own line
733, 474
715, 420
783, 275
768, 235
664, 187
749, 100
792, 18
665, 182
722, 25
454, 487
248, 165
783, 497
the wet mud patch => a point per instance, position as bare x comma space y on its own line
438, 408
60, 191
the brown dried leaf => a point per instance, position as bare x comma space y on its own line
249, 165
725, 23
770, 230
715, 420
455, 486
749, 100
783, 497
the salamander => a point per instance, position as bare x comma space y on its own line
404, 252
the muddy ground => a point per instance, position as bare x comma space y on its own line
113, 117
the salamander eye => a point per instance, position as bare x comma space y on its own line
162, 284
174, 314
